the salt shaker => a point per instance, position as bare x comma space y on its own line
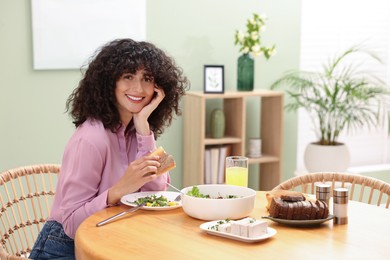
340, 206
323, 192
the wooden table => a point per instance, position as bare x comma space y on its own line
174, 235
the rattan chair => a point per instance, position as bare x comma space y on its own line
26, 195
361, 188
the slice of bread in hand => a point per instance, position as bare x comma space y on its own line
166, 160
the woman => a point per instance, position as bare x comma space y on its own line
125, 100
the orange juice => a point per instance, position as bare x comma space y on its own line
237, 176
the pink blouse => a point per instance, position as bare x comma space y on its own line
94, 159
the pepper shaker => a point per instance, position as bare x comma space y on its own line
340, 206
323, 192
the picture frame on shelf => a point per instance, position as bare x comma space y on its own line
214, 77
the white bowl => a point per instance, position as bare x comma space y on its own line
218, 209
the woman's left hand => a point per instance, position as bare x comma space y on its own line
141, 118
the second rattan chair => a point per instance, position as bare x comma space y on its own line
361, 188
26, 195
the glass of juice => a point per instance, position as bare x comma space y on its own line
237, 170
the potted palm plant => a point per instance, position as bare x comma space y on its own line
340, 97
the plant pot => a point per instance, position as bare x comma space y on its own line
245, 73
329, 158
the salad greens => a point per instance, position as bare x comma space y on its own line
154, 201
194, 192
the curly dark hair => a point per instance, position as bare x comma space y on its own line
95, 95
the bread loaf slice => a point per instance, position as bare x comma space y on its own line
286, 195
321, 209
314, 210
276, 205
290, 210
283, 210
306, 210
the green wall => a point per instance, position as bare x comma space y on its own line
34, 126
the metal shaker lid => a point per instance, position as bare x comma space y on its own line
340, 192
322, 187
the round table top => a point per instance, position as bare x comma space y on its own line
173, 234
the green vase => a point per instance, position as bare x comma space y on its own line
245, 72
217, 123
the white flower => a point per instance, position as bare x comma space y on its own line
249, 40
256, 50
245, 50
255, 36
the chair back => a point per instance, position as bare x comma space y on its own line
26, 195
361, 188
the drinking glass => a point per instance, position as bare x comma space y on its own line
237, 170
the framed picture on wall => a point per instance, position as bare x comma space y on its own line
214, 79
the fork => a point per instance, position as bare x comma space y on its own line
178, 198
173, 187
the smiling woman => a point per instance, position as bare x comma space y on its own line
133, 92
127, 97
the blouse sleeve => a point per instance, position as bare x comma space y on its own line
80, 185
147, 144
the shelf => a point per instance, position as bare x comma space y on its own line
224, 140
234, 105
264, 159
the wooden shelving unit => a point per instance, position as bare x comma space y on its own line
234, 106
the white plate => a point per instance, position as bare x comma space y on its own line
130, 199
205, 227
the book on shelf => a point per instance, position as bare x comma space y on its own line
207, 166
214, 164
215, 158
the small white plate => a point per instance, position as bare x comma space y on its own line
205, 227
130, 199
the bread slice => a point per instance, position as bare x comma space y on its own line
321, 209
283, 210
306, 210
166, 160
326, 210
287, 195
314, 210
290, 210
276, 205
295, 196
297, 210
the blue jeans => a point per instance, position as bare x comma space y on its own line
53, 243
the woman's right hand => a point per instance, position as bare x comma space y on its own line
140, 119
138, 173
